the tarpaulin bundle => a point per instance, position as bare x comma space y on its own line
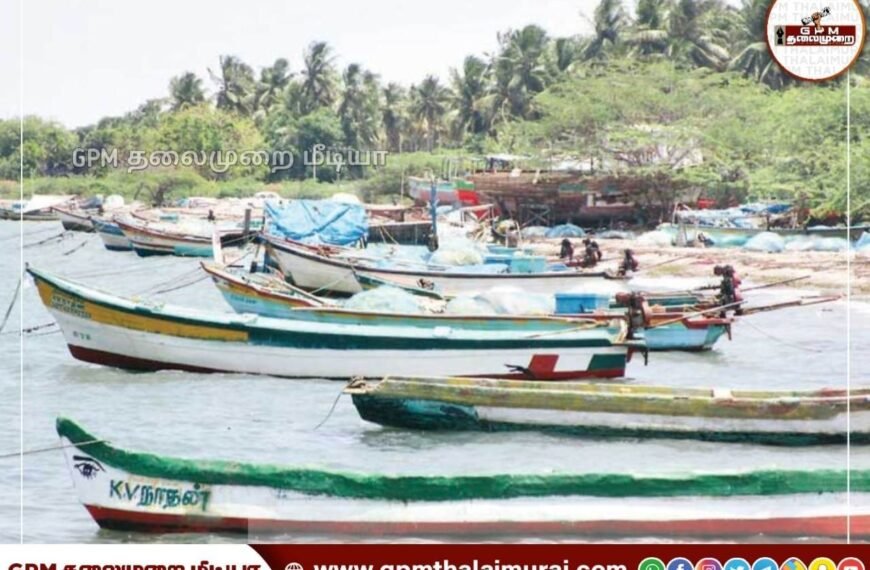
318, 221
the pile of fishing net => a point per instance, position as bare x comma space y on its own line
815, 243
458, 251
502, 301
535, 232
765, 241
657, 238
565, 231
384, 299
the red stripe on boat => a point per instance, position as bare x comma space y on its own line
832, 526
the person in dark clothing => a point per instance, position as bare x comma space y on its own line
729, 288
592, 254
567, 250
629, 263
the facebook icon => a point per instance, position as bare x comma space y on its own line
680, 564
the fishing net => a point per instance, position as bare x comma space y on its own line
384, 300
565, 231
765, 241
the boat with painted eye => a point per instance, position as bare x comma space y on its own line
106, 329
130, 490
326, 269
787, 418
271, 296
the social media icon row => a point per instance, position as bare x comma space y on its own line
765, 563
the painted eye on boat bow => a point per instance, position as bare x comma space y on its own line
87, 466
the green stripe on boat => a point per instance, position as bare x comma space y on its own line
450, 488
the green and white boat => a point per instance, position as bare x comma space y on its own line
788, 418
129, 490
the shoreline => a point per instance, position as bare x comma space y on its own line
827, 270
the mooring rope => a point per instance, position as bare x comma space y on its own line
51, 448
11, 304
61, 235
779, 340
28, 330
76, 248
334, 404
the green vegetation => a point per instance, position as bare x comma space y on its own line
679, 94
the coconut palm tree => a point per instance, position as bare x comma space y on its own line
698, 33
752, 55
273, 80
649, 35
393, 115
564, 53
470, 90
235, 82
185, 90
520, 70
358, 109
429, 106
319, 77
609, 22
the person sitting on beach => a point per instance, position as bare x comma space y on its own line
629, 263
592, 255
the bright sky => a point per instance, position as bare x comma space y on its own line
85, 59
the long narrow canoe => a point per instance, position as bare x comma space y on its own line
129, 490
628, 411
105, 329
272, 297
318, 272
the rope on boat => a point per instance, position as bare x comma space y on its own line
50, 448
11, 304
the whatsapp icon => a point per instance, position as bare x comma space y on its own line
651, 563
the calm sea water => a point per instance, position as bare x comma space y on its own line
272, 420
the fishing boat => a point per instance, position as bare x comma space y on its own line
105, 329
111, 234
271, 296
36, 209
74, 219
736, 236
161, 238
138, 491
324, 271
787, 418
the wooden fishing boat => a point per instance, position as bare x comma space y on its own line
271, 296
111, 234
74, 219
146, 239
105, 329
739, 236
321, 271
130, 490
788, 418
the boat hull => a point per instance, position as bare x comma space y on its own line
106, 330
112, 236
73, 221
135, 491
317, 273
147, 243
636, 412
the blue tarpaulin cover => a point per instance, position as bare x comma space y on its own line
318, 221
